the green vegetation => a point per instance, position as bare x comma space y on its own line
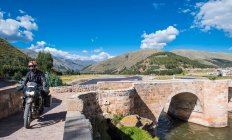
45, 64
135, 133
222, 63
53, 80
13, 63
163, 63
102, 126
44, 61
219, 77
69, 78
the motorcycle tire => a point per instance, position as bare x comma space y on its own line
27, 116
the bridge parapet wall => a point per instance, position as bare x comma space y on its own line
10, 102
120, 102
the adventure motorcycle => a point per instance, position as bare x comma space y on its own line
33, 102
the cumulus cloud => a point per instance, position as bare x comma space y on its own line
159, 39
43, 46
101, 56
214, 14
19, 29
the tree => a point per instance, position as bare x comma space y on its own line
44, 61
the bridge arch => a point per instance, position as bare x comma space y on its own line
183, 104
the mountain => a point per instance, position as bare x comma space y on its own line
164, 63
11, 56
218, 59
119, 63
145, 62
62, 64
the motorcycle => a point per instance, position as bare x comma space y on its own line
33, 102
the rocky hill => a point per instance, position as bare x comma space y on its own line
119, 63
218, 59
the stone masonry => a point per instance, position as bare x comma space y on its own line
10, 101
203, 102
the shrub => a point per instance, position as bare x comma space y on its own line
212, 77
53, 80
17, 76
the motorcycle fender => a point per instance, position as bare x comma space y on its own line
29, 100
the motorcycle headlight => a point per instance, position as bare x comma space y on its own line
30, 93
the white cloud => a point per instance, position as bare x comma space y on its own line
21, 11
43, 46
230, 48
19, 29
101, 56
1, 14
159, 39
98, 50
84, 51
186, 11
215, 14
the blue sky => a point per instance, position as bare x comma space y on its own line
100, 29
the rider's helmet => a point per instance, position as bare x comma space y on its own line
32, 65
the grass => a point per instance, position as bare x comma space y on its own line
69, 78
136, 133
219, 77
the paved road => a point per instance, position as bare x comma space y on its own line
49, 126
94, 81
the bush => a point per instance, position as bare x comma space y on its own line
53, 80
17, 76
212, 77
14, 72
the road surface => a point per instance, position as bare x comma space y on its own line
49, 126
94, 81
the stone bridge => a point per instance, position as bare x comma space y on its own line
202, 102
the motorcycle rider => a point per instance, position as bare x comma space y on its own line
35, 75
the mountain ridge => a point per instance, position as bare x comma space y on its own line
62, 64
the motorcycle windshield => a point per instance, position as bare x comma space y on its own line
31, 84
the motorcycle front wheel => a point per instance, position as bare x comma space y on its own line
27, 116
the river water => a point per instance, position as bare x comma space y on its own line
174, 129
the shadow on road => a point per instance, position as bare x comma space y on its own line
49, 119
13, 123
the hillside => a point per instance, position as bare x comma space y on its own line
164, 63
9, 55
218, 59
119, 63
12, 61
62, 64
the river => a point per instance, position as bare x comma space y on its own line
174, 129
